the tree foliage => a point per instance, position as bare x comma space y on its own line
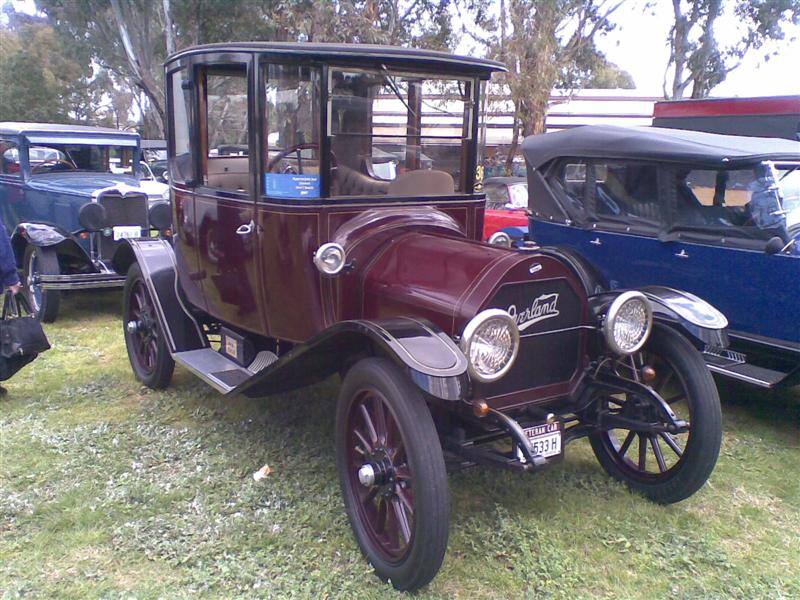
131, 38
541, 42
41, 78
698, 60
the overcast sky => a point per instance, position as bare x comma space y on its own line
639, 45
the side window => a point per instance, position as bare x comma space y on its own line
745, 202
181, 167
291, 136
226, 164
9, 158
496, 196
628, 192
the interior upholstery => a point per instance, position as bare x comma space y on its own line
349, 182
229, 173
423, 182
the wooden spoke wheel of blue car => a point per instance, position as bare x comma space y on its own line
392, 474
147, 348
41, 261
665, 467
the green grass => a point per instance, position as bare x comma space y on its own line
110, 490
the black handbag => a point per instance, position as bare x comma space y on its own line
21, 335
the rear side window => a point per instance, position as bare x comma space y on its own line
9, 158
627, 191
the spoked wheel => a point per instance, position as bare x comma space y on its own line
147, 348
41, 261
665, 467
392, 474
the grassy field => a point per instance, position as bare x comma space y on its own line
110, 490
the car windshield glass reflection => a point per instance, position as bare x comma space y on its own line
60, 158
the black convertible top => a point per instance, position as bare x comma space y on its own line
656, 143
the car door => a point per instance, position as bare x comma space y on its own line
224, 200
716, 251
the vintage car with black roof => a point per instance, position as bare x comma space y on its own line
715, 215
292, 261
68, 195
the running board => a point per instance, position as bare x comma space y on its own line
758, 376
218, 371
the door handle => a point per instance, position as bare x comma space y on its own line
682, 254
245, 229
596, 242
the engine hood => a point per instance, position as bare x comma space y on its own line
448, 280
83, 184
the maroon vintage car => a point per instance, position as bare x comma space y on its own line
344, 236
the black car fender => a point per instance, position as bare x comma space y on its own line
693, 316
47, 235
156, 259
430, 358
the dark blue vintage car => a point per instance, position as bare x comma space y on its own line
717, 216
69, 195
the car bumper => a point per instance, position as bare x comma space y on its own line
81, 281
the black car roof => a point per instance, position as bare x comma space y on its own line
362, 52
655, 143
16, 128
504, 180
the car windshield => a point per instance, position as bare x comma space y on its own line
398, 133
788, 176
96, 158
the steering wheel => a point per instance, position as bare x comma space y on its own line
55, 161
284, 153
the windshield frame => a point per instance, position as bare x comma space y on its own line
58, 143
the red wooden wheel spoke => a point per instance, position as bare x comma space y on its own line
404, 499
373, 435
380, 421
365, 447
402, 519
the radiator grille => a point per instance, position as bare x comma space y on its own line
121, 210
548, 314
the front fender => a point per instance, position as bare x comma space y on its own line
692, 315
432, 360
46, 235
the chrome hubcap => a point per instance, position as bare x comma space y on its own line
366, 475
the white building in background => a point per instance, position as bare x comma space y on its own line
585, 107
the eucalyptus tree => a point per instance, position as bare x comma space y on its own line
699, 60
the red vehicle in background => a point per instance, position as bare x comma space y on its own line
505, 222
770, 116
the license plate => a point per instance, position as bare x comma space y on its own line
122, 232
545, 440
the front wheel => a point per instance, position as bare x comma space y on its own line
147, 348
665, 467
392, 474
41, 261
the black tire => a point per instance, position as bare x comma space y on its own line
147, 347
41, 261
682, 379
410, 553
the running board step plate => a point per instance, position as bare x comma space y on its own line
758, 376
218, 371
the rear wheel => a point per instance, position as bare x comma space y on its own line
663, 466
147, 348
392, 474
41, 261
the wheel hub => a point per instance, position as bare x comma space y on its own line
377, 471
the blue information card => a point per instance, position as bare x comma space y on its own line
290, 185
